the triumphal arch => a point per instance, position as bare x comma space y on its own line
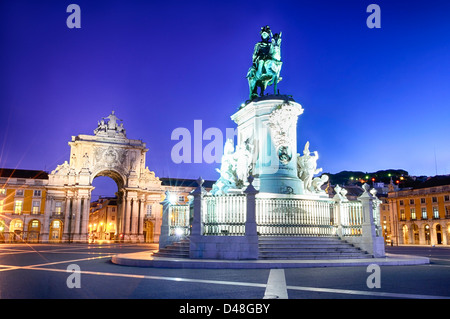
106, 153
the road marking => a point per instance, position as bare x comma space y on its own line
9, 267
276, 285
243, 284
178, 279
366, 293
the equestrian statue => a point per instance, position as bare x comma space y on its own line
266, 63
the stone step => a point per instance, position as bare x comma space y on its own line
279, 247
298, 239
284, 248
302, 245
315, 256
310, 250
178, 249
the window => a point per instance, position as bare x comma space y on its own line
34, 224
1, 206
37, 193
402, 214
411, 202
149, 210
18, 205
2, 191
447, 198
58, 207
435, 212
413, 213
401, 202
434, 199
424, 213
447, 212
181, 198
56, 224
36, 207
422, 201
19, 192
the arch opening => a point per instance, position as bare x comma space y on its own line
105, 206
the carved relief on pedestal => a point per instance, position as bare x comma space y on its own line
282, 123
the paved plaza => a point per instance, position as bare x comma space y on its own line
44, 271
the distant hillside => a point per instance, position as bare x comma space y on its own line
358, 177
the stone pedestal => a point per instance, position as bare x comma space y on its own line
269, 126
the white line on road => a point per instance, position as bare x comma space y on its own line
366, 293
276, 285
245, 284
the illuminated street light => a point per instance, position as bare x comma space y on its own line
179, 232
172, 198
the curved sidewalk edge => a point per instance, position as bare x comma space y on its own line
144, 259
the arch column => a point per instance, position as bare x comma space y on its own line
67, 223
133, 219
404, 231
76, 225
433, 234
140, 232
126, 219
85, 219
445, 234
46, 223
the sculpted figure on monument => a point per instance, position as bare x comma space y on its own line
112, 123
317, 183
62, 169
266, 63
244, 162
227, 170
110, 128
307, 167
102, 127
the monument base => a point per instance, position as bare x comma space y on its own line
278, 184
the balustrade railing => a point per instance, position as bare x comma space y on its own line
179, 223
224, 215
351, 218
295, 217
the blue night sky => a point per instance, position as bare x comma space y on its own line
373, 98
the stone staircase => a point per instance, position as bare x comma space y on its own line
284, 247
178, 249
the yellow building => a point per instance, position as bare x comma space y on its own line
22, 204
103, 219
420, 215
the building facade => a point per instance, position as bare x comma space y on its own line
103, 219
22, 205
418, 216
